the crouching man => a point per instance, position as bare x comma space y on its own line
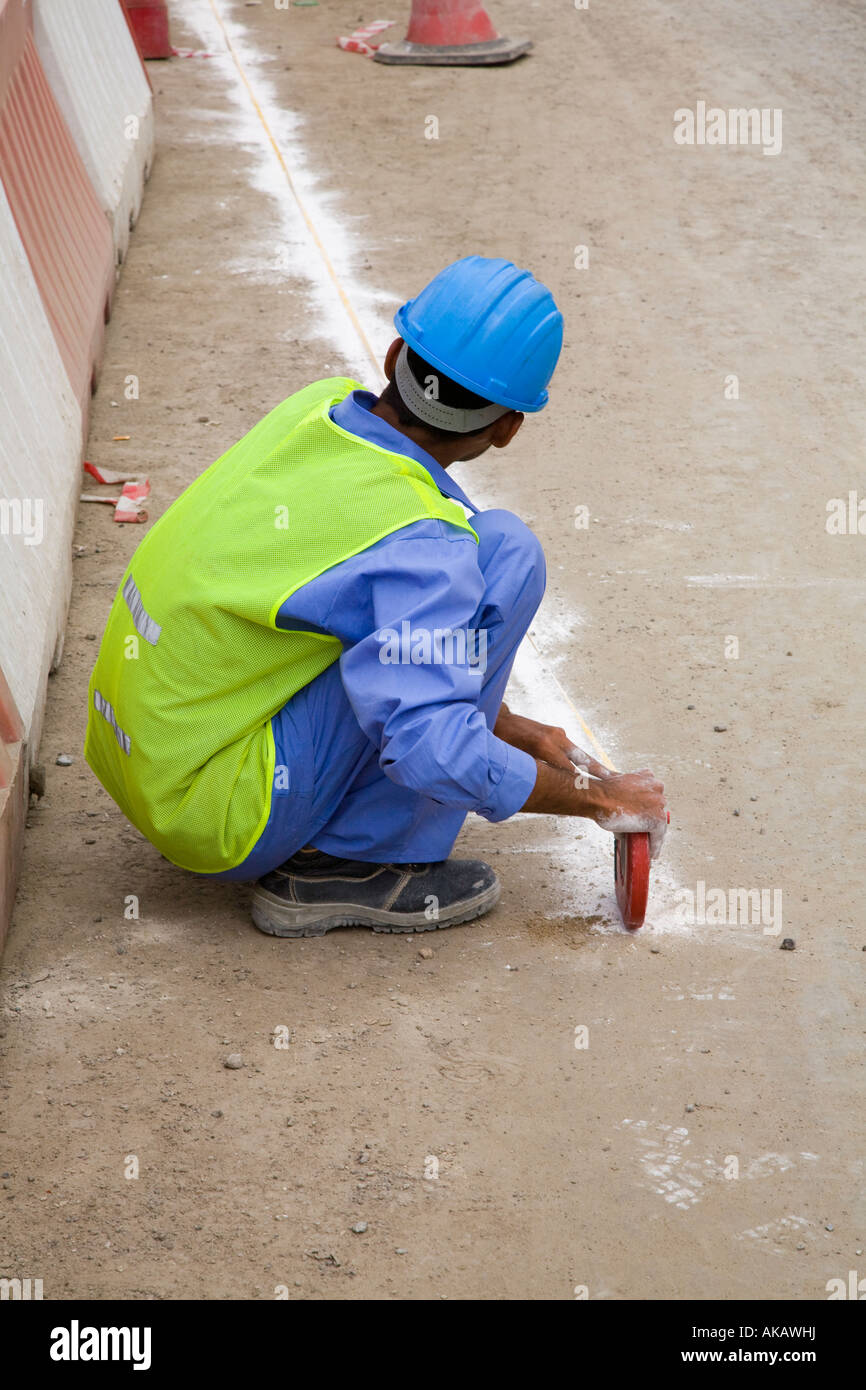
301, 679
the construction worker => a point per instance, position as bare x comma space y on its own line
301, 679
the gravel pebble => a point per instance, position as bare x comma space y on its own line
234, 1061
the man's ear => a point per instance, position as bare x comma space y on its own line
391, 358
505, 428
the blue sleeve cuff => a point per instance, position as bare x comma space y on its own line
517, 773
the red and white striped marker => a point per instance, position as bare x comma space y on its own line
128, 505
357, 40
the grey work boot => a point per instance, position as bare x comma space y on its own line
313, 892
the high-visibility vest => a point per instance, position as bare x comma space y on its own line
192, 665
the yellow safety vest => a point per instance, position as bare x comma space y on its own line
192, 666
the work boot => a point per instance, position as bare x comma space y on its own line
313, 892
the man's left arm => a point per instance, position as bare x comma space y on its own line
545, 741
413, 596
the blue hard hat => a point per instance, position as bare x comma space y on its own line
490, 327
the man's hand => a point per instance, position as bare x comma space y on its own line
617, 801
544, 742
629, 801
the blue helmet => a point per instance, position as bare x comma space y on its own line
490, 327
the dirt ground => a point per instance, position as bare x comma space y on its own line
708, 1141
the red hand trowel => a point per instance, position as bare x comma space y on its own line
631, 871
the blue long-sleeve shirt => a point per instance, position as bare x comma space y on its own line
424, 717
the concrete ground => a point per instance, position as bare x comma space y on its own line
707, 1141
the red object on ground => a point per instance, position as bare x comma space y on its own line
631, 872
13, 801
458, 32
148, 20
631, 867
64, 230
129, 505
357, 41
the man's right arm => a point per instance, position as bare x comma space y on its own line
618, 801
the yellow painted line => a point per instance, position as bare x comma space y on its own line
356, 322
600, 753
329, 267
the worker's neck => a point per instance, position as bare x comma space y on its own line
445, 453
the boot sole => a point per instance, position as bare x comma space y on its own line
277, 918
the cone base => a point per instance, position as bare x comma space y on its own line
458, 55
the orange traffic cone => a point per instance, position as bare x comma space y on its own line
451, 32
